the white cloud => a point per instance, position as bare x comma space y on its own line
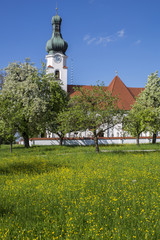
137, 42
103, 40
100, 40
91, 40
86, 37
120, 33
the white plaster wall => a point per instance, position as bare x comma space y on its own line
49, 59
58, 66
64, 78
84, 142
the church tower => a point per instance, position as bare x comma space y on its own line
56, 48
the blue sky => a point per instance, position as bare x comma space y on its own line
103, 36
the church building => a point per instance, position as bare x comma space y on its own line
57, 64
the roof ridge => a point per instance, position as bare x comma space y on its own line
114, 82
131, 93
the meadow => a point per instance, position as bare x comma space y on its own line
73, 193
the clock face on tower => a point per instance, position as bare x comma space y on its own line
57, 58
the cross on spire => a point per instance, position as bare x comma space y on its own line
56, 8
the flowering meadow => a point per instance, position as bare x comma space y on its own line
73, 193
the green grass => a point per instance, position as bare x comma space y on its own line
73, 193
121, 147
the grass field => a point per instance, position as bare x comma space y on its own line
73, 193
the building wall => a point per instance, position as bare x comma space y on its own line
52, 66
116, 131
87, 141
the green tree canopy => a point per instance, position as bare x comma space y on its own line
2, 76
134, 121
150, 99
94, 109
56, 100
32, 96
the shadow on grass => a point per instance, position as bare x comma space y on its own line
6, 210
36, 167
5, 148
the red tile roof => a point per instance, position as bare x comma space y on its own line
136, 91
126, 96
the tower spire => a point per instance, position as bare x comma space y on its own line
56, 47
56, 43
56, 8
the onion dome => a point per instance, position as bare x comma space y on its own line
56, 43
56, 19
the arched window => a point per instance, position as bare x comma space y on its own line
57, 75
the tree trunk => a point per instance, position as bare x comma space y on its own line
96, 143
61, 136
11, 144
137, 140
60, 141
154, 138
26, 140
